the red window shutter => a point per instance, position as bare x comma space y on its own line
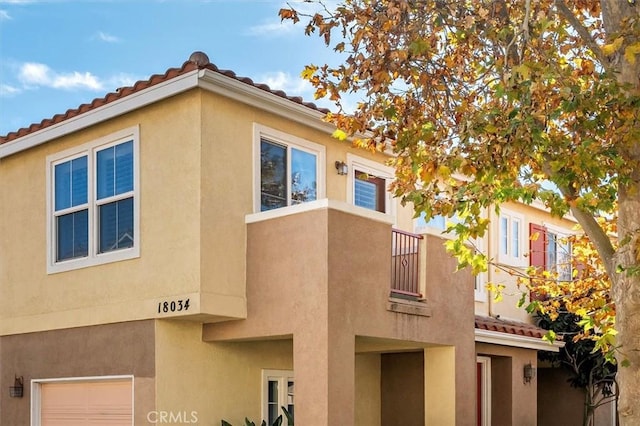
537, 245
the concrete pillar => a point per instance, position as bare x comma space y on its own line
324, 368
440, 386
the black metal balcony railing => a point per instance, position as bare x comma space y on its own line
405, 264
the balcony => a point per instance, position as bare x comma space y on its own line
331, 265
405, 264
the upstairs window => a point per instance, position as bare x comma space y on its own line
551, 251
438, 224
71, 215
288, 170
367, 184
510, 238
369, 191
94, 213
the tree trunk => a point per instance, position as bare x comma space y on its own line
626, 287
626, 295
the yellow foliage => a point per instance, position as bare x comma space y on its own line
611, 48
339, 134
631, 51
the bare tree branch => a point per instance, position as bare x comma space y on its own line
584, 33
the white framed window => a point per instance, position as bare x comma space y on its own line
368, 184
511, 238
277, 392
93, 203
552, 251
437, 225
288, 170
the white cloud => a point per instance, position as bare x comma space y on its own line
121, 80
273, 28
75, 80
4, 15
17, 1
7, 90
297, 86
292, 85
276, 27
108, 38
35, 74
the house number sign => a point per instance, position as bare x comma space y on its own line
173, 306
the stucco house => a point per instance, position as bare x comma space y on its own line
198, 247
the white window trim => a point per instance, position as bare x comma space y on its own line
510, 259
373, 168
480, 289
36, 395
558, 232
282, 376
259, 132
486, 389
89, 149
432, 230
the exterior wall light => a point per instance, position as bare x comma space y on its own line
342, 167
17, 390
529, 373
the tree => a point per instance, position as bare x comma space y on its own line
588, 369
513, 94
578, 286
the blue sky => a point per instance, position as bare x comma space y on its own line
58, 54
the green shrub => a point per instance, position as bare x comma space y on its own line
277, 422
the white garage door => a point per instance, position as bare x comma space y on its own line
86, 403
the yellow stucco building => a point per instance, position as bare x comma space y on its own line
198, 247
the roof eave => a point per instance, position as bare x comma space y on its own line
105, 112
263, 99
204, 78
518, 341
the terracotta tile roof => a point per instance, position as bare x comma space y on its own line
510, 327
197, 60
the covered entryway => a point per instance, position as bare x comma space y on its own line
87, 403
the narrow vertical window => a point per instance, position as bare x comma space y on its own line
273, 173
272, 401
115, 197
71, 209
504, 235
515, 237
510, 238
303, 176
290, 404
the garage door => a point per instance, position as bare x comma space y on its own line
86, 403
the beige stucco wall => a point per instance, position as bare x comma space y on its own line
215, 380
328, 272
227, 184
402, 384
513, 402
507, 308
561, 405
196, 186
169, 215
367, 390
105, 350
